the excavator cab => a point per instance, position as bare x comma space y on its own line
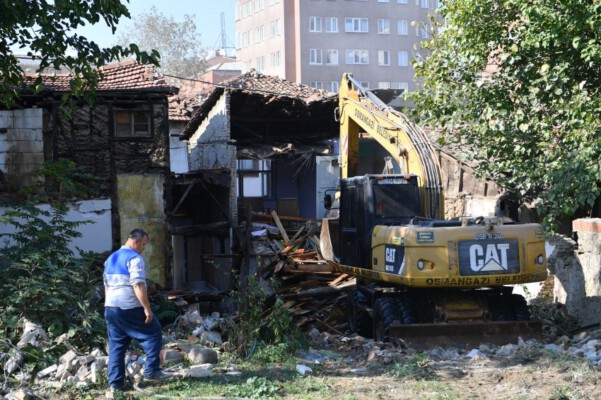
370, 200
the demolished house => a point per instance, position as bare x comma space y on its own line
257, 144
122, 142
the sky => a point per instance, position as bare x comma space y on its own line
207, 16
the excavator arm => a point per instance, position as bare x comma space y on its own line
362, 111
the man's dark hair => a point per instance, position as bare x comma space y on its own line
137, 234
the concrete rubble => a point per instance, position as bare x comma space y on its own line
84, 369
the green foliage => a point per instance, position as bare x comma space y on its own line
166, 311
42, 280
533, 120
280, 353
417, 367
178, 42
47, 30
254, 328
256, 387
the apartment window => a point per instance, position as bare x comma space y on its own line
314, 24
383, 57
400, 85
403, 27
316, 84
332, 57
247, 8
383, 1
425, 31
259, 5
246, 39
132, 123
357, 57
384, 26
332, 86
331, 24
254, 178
403, 59
356, 25
425, 3
275, 27
237, 11
260, 63
383, 85
238, 40
275, 59
315, 56
401, 1
260, 34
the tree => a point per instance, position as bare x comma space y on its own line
46, 29
534, 117
177, 42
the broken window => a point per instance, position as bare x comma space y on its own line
132, 123
254, 178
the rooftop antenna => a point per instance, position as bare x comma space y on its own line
223, 36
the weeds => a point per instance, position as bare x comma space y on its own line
257, 326
418, 367
256, 387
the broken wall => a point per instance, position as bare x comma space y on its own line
209, 146
465, 193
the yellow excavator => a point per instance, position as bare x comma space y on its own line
419, 277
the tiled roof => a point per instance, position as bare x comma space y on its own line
255, 82
181, 107
127, 75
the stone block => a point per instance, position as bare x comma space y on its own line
47, 371
202, 355
171, 356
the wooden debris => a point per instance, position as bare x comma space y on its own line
310, 287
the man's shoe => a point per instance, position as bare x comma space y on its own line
115, 394
158, 377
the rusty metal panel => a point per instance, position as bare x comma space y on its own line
141, 204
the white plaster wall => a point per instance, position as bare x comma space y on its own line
208, 147
178, 152
96, 236
21, 143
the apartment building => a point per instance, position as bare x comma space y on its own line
314, 41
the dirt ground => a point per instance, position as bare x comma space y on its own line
530, 373
553, 366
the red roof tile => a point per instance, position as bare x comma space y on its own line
127, 75
256, 82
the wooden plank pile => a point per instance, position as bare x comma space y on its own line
312, 291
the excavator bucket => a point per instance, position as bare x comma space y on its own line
464, 334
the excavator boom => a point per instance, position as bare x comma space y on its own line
406, 142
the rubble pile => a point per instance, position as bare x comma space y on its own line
84, 369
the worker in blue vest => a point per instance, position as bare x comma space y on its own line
127, 311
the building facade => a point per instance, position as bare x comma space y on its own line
315, 41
